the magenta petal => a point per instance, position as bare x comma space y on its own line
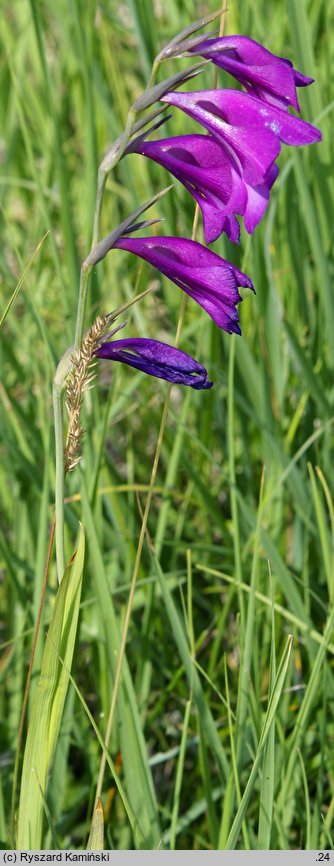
201, 164
232, 229
271, 77
257, 200
201, 273
211, 176
250, 130
197, 158
157, 359
302, 80
221, 112
215, 222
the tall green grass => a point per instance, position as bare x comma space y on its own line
224, 719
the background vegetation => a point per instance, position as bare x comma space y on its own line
203, 715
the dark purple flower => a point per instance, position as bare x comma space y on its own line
201, 164
251, 131
157, 359
203, 275
265, 75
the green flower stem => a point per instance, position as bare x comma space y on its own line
59, 439
154, 72
108, 163
101, 185
81, 308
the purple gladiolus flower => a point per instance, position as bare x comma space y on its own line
251, 131
201, 164
203, 275
265, 75
157, 359
204, 168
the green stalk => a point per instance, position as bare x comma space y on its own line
85, 268
59, 440
231, 462
81, 308
109, 162
101, 185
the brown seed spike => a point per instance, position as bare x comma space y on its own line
79, 379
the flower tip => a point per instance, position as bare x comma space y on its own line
202, 383
314, 135
302, 80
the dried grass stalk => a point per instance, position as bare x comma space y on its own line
78, 381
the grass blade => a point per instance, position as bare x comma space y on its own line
48, 704
96, 836
268, 722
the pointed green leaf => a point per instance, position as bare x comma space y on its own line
48, 703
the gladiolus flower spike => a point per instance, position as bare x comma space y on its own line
229, 171
265, 75
201, 273
157, 359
